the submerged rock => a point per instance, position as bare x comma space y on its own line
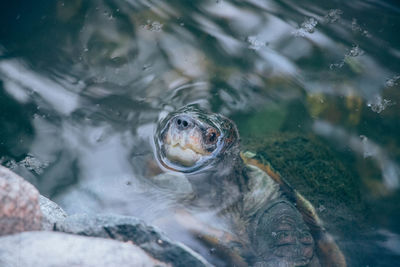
19, 204
48, 249
23, 209
130, 229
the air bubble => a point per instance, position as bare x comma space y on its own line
308, 26
154, 26
333, 15
379, 104
255, 43
393, 81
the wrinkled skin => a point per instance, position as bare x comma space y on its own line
281, 234
270, 231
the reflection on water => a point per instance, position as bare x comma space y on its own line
82, 84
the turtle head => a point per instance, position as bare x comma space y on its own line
190, 139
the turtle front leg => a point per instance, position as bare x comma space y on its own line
224, 244
281, 238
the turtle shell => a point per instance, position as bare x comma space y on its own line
328, 252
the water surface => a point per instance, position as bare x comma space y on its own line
82, 84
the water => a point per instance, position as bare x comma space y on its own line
82, 84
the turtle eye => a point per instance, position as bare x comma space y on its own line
211, 136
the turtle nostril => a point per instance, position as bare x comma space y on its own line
183, 123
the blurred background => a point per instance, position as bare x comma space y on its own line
83, 83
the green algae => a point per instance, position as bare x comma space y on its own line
317, 173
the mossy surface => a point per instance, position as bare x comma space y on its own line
317, 173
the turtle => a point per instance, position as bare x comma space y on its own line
270, 223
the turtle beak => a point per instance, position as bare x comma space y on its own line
183, 141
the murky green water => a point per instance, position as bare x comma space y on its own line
82, 84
